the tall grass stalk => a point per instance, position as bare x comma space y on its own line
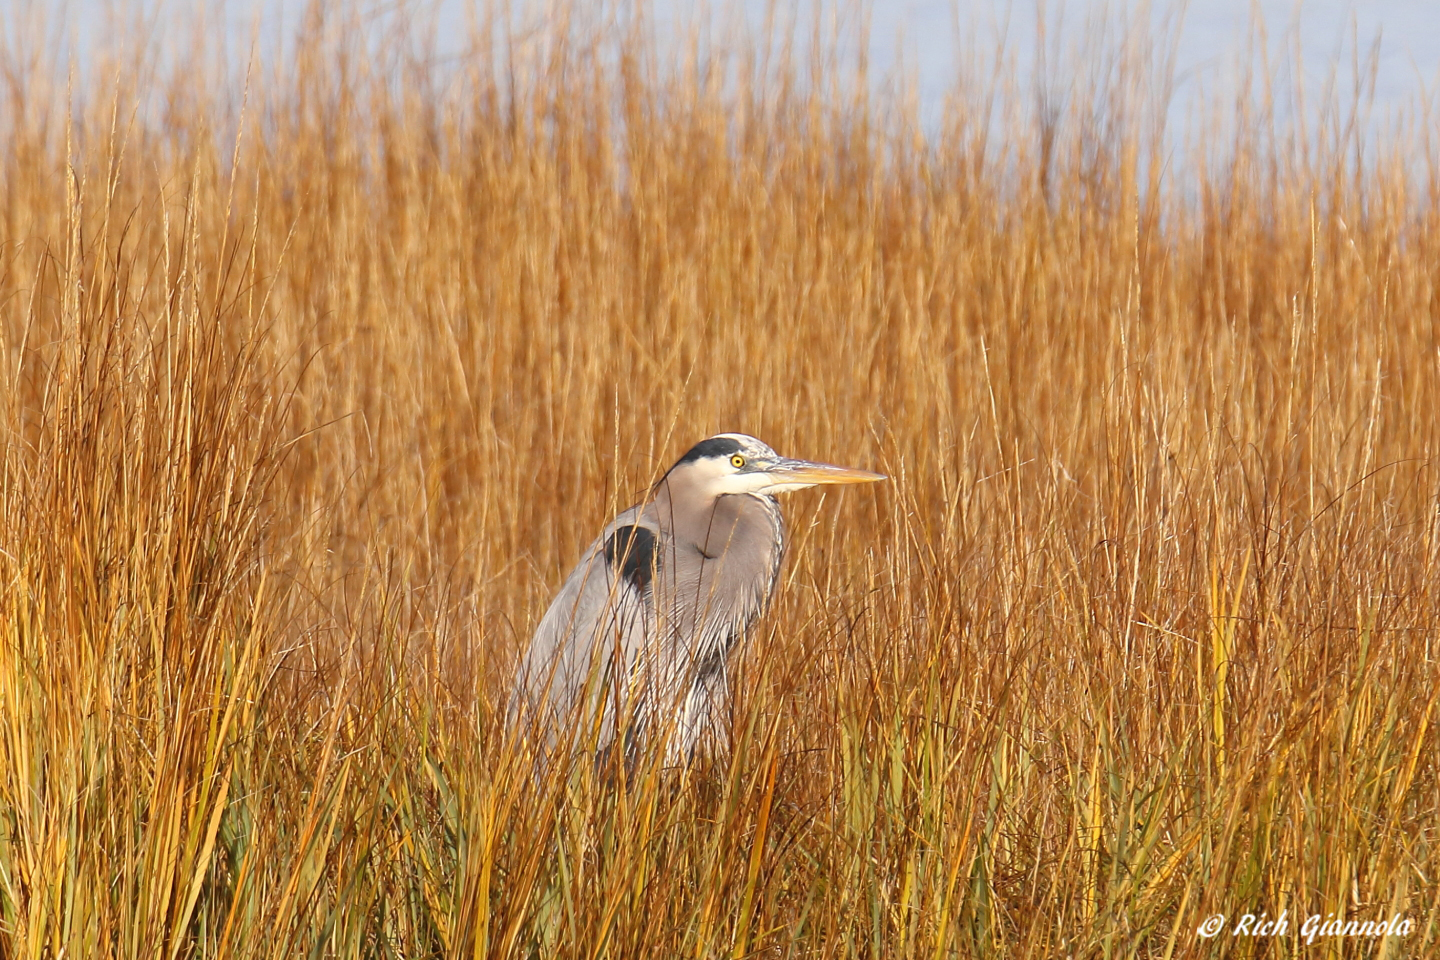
312, 387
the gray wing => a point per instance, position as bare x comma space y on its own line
586, 646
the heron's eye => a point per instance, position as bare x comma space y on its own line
737, 461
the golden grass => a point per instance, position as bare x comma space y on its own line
302, 427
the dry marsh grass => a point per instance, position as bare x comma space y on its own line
311, 394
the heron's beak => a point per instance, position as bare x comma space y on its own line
796, 474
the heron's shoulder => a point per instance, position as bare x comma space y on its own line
589, 588
642, 515
630, 546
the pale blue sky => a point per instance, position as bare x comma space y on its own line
936, 36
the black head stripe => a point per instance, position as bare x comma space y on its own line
631, 552
714, 447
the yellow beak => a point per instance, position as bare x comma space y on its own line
808, 472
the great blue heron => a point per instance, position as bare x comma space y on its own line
635, 644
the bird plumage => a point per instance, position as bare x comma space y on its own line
636, 643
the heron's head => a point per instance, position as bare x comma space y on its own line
732, 463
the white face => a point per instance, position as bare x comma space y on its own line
719, 477
741, 472
756, 469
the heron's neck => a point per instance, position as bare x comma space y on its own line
709, 523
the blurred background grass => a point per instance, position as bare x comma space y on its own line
314, 388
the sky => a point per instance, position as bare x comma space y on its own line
933, 38
1212, 35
